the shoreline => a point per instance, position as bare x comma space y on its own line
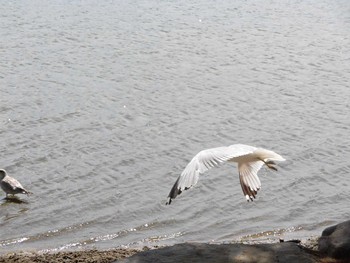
90, 255
114, 254
333, 246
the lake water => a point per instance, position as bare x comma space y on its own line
103, 103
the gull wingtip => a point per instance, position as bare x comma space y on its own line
168, 202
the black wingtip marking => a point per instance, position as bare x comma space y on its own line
247, 191
251, 199
174, 192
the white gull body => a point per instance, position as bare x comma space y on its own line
10, 185
250, 160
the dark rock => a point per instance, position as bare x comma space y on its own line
287, 252
335, 241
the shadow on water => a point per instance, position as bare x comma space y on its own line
13, 199
8, 211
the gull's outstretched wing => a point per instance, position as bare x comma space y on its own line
248, 177
202, 162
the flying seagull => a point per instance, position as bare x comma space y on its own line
11, 185
250, 159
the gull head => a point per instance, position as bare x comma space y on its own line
2, 174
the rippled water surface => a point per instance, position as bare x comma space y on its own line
103, 103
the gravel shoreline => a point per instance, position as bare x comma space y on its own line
333, 246
89, 256
96, 256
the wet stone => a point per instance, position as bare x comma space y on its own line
335, 241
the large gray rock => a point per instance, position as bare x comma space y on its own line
286, 252
335, 241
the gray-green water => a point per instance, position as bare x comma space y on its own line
103, 103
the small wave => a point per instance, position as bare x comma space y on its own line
45, 235
274, 233
93, 241
13, 241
